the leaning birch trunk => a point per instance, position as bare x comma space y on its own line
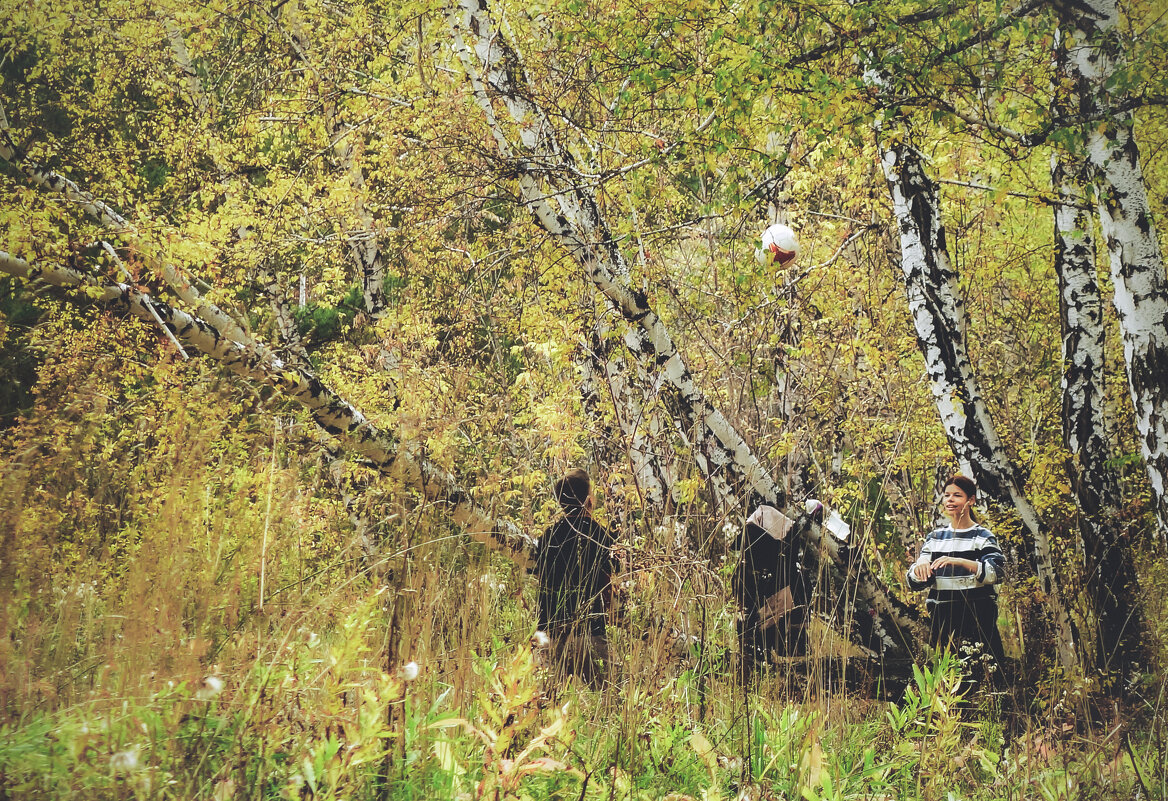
568, 211
607, 375
331, 412
1137, 265
105, 215
938, 312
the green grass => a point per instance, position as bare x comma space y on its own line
315, 720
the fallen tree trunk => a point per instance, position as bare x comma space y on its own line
330, 411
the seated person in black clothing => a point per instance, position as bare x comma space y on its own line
772, 591
574, 565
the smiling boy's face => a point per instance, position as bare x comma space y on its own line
955, 502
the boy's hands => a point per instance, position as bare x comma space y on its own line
923, 570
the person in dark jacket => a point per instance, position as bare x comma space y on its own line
960, 565
772, 590
574, 566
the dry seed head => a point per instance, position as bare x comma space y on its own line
212, 686
124, 761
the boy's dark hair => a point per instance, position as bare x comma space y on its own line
573, 489
963, 483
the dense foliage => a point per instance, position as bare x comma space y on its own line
202, 597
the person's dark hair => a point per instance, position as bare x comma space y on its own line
963, 483
573, 489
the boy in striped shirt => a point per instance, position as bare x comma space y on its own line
960, 564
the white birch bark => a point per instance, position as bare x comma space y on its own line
1137, 266
288, 338
106, 216
564, 206
1081, 311
1109, 568
350, 499
607, 376
331, 412
364, 247
938, 311
1110, 575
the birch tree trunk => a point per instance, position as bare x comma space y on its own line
1109, 567
331, 412
1137, 266
1110, 576
554, 192
607, 376
938, 311
288, 341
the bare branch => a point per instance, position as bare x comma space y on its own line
983, 36
1044, 199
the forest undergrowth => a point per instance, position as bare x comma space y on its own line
203, 595
190, 612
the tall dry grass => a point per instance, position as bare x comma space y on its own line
144, 505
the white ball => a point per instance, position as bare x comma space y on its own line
779, 244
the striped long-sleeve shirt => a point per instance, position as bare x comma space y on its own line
952, 582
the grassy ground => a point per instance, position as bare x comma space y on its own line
187, 611
293, 712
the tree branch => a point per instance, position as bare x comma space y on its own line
843, 37
1044, 199
983, 36
330, 411
106, 216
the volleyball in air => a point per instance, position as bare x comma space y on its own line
779, 246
